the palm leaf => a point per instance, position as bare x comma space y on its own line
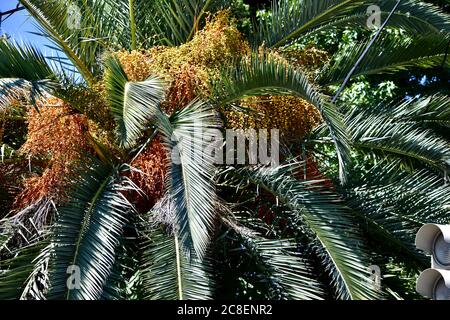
168, 274
388, 56
395, 204
263, 75
100, 26
288, 274
88, 232
384, 135
339, 243
191, 172
178, 20
16, 272
191, 188
430, 111
132, 104
293, 18
24, 73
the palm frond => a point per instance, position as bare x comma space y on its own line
340, 245
133, 104
396, 204
14, 89
430, 111
16, 272
290, 276
168, 274
293, 18
178, 20
418, 197
24, 62
24, 73
384, 135
388, 56
191, 172
100, 23
263, 75
88, 232
402, 20
419, 12
37, 282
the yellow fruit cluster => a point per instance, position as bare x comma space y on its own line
308, 59
293, 116
136, 64
188, 68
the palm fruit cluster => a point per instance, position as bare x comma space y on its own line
293, 116
57, 135
188, 69
149, 170
92, 103
308, 59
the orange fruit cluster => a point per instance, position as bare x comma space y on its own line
59, 136
149, 175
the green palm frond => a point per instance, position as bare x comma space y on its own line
24, 73
388, 56
191, 172
38, 281
293, 18
418, 12
263, 75
16, 272
386, 136
178, 20
24, 62
190, 169
340, 245
13, 89
418, 197
395, 204
289, 275
133, 104
431, 111
167, 272
401, 20
100, 25
88, 232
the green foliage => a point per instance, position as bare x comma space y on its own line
133, 104
168, 274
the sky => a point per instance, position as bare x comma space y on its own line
19, 25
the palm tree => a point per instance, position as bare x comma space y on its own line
105, 211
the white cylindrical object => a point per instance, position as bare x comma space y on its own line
434, 284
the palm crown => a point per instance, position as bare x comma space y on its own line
94, 187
